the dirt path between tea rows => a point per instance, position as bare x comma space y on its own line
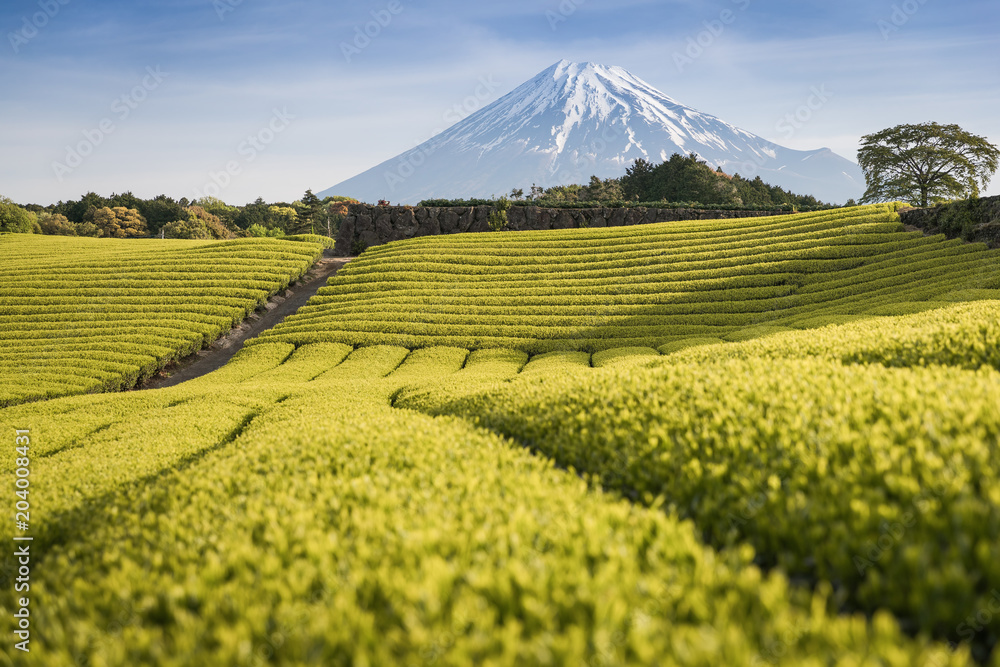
277, 309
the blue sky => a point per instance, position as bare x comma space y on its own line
248, 98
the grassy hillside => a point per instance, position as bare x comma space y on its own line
80, 315
648, 285
818, 489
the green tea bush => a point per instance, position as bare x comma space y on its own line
848, 474
261, 515
389, 478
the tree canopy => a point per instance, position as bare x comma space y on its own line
15, 219
681, 179
925, 163
687, 178
119, 222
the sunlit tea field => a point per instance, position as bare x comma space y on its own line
763, 441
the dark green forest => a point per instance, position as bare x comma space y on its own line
679, 181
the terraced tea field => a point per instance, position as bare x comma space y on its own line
648, 285
80, 315
448, 458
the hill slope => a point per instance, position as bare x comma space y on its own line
79, 315
296, 503
648, 285
782, 500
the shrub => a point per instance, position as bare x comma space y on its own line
324, 241
498, 216
260, 231
563, 203
56, 224
15, 219
192, 228
213, 224
87, 228
81, 315
959, 219
120, 222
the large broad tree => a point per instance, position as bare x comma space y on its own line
925, 162
157, 212
119, 222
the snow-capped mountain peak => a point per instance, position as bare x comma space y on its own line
575, 120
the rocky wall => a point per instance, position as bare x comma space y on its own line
976, 220
366, 226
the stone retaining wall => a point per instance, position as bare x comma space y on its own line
366, 226
976, 220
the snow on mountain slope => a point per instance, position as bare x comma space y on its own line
575, 120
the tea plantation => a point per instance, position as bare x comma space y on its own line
769, 441
80, 315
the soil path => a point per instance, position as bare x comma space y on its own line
277, 309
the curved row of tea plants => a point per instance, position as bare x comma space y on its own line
801, 498
864, 455
280, 511
648, 285
83, 315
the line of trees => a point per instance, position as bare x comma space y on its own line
922, 163
689, 179
678, 179
127, 216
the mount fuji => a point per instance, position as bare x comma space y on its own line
575, 120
